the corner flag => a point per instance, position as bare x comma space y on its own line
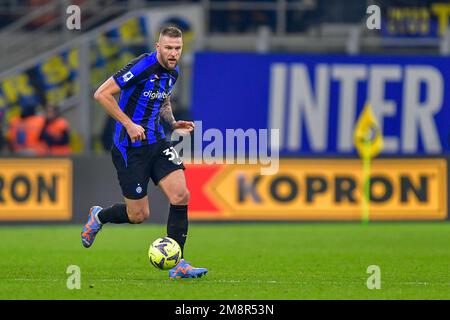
369, 143
367, 135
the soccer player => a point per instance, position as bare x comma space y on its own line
140, 151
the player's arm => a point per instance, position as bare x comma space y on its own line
105, 96
165, 112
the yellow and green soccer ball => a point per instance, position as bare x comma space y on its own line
164, 253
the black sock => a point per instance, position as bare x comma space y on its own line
177, 224
115, 214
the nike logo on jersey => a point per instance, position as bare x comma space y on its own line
155, 78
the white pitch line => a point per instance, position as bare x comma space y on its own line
418, 283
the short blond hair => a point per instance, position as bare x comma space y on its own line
170, 31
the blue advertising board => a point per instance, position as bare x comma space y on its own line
315, 100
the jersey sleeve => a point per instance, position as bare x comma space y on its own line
132, 73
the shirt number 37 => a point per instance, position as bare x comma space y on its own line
172, 155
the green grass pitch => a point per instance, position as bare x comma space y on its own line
245, 261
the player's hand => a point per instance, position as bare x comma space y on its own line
136, 132
183, 127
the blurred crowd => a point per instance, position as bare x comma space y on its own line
36, 134
228, 19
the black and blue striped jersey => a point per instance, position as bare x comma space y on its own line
145, 84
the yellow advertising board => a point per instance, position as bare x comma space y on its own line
320, 189
35, 189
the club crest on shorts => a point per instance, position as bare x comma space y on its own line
139, 188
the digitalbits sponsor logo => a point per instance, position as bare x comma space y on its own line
156, 95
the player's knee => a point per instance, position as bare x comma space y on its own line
181, 197
139, 215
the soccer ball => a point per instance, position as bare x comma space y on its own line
164, 253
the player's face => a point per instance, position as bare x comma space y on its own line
169, 50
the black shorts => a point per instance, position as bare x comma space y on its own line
153, 161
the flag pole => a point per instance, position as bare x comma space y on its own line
366, 182
368, 140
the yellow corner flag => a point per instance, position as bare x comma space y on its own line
367, 135
369, 143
